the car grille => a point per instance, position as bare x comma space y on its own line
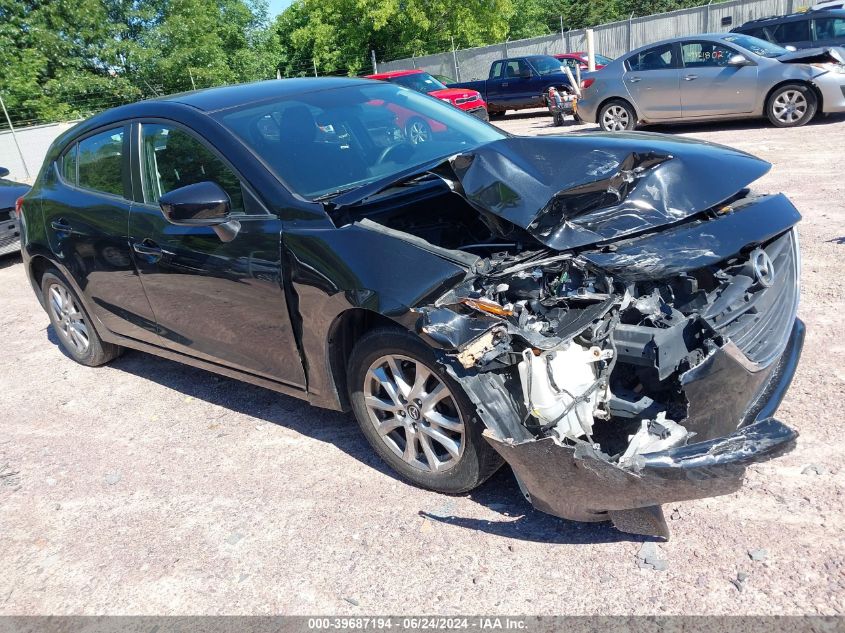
464, 100
760, 321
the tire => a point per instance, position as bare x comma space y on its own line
497, 114
77, 335
417, 131
616, 116
427, 462
792, 105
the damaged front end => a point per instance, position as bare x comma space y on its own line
629, 347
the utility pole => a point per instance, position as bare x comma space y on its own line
455, 60
375, 65
591, 50
562, 36
315, 67
191, 75
15, 138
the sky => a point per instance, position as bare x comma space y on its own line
277, 6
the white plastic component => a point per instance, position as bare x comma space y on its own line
573, 371
644, 441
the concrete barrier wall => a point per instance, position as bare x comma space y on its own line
34, 143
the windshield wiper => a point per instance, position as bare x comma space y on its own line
335, 193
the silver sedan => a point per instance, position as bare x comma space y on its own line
708, 77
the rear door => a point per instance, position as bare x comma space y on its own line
794, 32
652, 78
86, 207
709, 86
830, 31
220, 301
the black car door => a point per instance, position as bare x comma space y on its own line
220, 301
86, 201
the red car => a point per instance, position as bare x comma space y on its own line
580, 59
467, 100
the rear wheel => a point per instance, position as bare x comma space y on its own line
497, 114
416, 417
72, 325
791, 105
617, 116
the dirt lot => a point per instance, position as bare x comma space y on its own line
148, 487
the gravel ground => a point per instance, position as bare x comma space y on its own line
147, 487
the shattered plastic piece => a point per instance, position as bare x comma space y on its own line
758, 555
651, 557
473, 353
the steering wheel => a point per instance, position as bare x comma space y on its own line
388, 151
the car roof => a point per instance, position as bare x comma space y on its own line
210, 100
713, 37
396, 73
802, 15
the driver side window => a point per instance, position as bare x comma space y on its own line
173, 158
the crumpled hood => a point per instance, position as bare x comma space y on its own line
835, 54
578, 190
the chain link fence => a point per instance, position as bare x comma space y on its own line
613, 39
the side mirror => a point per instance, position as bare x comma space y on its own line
3, 172
739, 60
201, 204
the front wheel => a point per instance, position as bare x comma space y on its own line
791, 105
415, 416
418, 131
617, 116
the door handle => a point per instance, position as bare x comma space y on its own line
148, 249
505, 84
634, 80
691, 77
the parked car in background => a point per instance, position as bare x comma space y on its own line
802, 30
10, 192
579, 60
469, 101
518, 83
477, 299
829, 4
708, 77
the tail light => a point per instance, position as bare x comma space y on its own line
587, 83
19, 207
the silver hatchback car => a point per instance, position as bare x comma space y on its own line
707, 77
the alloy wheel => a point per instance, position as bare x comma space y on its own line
418, 132
69, 319
615, 119
414, 413
790, 106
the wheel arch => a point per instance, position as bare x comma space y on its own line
805, 82
347, 327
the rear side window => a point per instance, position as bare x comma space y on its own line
657, 58
173, 158
795, 31
69, 164
100, 162
830, 28
705, 54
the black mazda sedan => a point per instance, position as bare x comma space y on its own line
614, 316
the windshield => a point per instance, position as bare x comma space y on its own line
602, 60
546, 65
421, 82
756, 45
328, 141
